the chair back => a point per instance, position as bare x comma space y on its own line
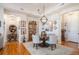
53, 39
35, 38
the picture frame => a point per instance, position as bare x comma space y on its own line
23, 27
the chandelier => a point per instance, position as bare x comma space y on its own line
43, 19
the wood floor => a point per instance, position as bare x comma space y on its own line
14, 48
72, 45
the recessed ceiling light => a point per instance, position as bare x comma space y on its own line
70, 14
21, 9
61, 4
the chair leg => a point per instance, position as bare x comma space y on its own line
51, 46
55, 46
36, 46
33, 45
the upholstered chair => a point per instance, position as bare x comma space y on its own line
52, 41
35, 40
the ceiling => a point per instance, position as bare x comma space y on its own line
31, 8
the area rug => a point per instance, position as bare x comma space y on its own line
60, 50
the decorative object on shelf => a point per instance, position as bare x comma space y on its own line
12, 28
43, 18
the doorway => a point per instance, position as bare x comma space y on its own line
32, 28
63, 34
63, 30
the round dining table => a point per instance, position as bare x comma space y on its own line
44, 39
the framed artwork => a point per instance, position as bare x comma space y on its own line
23, 27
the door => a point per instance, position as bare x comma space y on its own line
32, 28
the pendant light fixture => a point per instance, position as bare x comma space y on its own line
43, 18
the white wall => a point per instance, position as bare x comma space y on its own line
2, 22
57, 18
72, 28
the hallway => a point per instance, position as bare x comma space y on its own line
14, 48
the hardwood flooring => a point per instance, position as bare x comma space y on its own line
72, 45
14, 48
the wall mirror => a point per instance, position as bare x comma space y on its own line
44, 20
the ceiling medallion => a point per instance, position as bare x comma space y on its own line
43, 19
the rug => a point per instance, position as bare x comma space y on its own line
60, 50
